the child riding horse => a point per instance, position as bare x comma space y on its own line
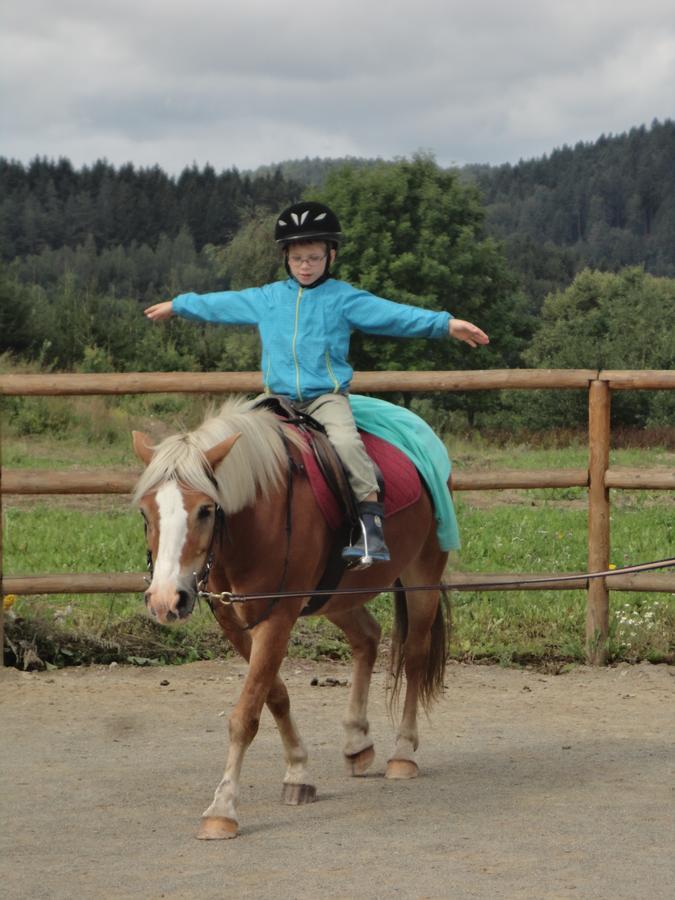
305, 324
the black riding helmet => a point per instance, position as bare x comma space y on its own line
307, 221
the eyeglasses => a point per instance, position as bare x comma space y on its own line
313, 260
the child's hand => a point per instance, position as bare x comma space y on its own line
465, 331
159, 311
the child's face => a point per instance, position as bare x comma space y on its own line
307, 261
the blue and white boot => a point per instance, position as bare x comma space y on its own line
369, 546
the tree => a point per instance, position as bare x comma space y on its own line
414, 233
15, 330
605, 320
251, 258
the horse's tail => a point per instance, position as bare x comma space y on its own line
431, 684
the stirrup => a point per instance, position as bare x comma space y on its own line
356, 555
370, 546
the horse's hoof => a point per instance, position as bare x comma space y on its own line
298, 794
217, 828
359, 763
401, 769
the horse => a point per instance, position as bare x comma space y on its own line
229, 505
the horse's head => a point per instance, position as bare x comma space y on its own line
181, 514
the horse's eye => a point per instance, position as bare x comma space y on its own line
204, 512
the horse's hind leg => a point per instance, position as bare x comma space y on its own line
363, 633
298, 787
422, 654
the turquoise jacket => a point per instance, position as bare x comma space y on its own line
305, 332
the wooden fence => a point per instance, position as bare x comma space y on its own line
598, 478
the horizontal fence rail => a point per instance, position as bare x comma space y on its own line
371, 382
598, 478
130, 583
110, 481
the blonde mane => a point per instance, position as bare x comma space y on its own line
254, 465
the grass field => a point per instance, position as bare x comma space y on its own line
521, 531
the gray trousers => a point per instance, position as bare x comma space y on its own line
335, 414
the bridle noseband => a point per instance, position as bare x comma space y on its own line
199, 579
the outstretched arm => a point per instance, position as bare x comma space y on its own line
465, 331
159, 311
375, 315
223, 307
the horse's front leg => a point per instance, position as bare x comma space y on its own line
297, 785
268, 648
363, 633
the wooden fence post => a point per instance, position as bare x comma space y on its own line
597, 609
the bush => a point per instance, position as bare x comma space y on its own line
40, 415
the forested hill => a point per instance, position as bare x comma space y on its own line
605, 204
611, 202
48, 205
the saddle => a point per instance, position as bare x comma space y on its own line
319, 449
400, 484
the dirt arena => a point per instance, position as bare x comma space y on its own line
531, 786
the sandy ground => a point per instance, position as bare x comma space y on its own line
531, 786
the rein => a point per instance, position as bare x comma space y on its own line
229, 598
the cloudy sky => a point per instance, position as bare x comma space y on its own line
250, 82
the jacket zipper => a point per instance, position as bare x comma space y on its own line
331, 373
266, 384
295, 338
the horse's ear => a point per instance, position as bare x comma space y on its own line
218, 453
142, 446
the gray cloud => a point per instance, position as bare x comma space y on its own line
244, 84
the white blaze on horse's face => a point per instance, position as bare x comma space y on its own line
180, 525
172, 532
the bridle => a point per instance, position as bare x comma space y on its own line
201, 578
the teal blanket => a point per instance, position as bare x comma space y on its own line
415, 438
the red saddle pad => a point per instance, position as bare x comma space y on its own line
402, 485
